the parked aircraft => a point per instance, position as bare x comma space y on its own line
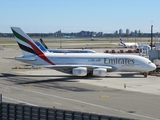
127, 44
83, 64
68, 36
67, 50
42, 42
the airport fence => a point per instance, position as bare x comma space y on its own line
0, 98
11, 111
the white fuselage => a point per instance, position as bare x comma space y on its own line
128, 44
117, 62
63, 50
71, 51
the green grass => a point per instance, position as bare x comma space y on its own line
76, 42
7, 40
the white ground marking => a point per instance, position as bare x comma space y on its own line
57, 103
37, 98
78, 108
18, 100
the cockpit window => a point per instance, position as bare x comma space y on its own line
149, 62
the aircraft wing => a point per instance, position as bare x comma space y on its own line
73, 66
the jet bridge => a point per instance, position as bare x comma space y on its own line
144, 49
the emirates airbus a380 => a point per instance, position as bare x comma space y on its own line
97, 64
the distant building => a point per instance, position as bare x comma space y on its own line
127, 31
87, 33
120, 31
84, 33
139, 31
93, 33
135, 31
99, 34
116, 32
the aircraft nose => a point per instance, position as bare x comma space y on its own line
153, 66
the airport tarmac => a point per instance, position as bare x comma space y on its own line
100, 95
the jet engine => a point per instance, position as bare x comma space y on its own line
99, 72
79, 71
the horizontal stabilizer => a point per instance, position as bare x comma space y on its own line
23, 58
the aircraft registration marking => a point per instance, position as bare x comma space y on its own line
94, 60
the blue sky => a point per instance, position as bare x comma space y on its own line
48, 16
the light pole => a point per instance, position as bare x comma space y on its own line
135, 39
60, 41
151, 36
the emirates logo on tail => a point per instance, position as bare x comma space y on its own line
120, 39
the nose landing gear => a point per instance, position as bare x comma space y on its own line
145, 74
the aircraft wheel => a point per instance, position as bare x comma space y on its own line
89, 74
145, 74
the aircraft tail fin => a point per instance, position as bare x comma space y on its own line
26, 44
121, 42
42, 42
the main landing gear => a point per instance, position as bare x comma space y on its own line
89, 74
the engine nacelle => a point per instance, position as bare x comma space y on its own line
99, 72
79, 71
